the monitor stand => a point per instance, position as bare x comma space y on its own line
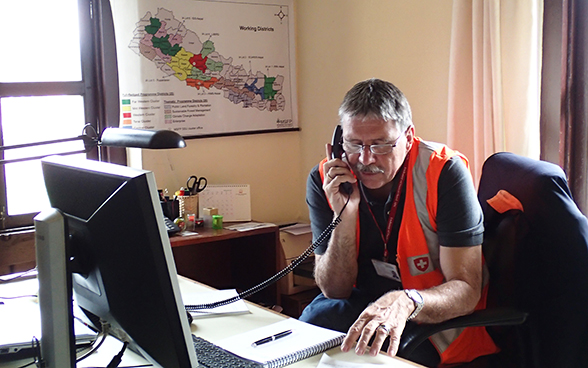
55, 290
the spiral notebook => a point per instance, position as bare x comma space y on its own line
305, 341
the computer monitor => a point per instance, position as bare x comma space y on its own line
120, 255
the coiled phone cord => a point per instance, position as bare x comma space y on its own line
286, 270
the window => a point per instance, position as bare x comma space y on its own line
49, 74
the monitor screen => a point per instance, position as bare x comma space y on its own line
121, 258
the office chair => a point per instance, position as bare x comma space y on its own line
536, 250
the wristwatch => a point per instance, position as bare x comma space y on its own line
419, 303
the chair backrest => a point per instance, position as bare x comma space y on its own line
538, 257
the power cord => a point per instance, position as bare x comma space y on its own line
105, 331
286, 270
114, 363
37, 361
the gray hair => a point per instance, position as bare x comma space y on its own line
375, 98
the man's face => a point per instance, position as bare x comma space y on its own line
375, 171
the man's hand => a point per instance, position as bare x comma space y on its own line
386, 317
338, 172
458, 296
335, 271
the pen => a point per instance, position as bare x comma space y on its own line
271, 338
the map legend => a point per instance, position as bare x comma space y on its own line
127, 121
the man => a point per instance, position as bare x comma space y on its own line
409, 243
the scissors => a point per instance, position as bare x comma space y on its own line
196, 185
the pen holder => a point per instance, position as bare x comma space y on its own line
171, 208
188, 204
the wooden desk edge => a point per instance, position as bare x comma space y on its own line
206, 235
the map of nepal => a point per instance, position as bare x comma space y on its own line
177, 51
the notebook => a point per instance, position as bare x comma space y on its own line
304, 341
21, 323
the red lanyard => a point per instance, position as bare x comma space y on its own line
393, 210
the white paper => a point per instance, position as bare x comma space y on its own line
249, 226
238, 307
297, 229
328, 362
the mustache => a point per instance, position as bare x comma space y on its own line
369, 169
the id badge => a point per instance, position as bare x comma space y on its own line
387, 270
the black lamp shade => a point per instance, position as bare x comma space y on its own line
139, 138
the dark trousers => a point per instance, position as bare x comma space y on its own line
340, 314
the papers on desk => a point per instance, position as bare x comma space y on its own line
238, 307
297, 229
328, 362
305, 341
246, 226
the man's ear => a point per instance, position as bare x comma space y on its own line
409, 137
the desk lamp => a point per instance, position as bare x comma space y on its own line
111, 137
137, 138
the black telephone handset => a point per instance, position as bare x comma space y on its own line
337, 144
337, 152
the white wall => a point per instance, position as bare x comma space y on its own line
339, 42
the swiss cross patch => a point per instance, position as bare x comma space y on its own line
420, 264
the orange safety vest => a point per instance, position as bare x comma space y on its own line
418, 248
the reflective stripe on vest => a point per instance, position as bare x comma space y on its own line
418, 248
418, 243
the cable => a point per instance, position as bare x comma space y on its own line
104, 332
130, 366
286, 270
37, 358
118, 357
30, 364
102, 336
18, 297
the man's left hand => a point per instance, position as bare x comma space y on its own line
385, 317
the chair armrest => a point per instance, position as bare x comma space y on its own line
486, 317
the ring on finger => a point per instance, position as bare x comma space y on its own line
329, 175
384, 328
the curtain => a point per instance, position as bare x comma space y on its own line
107, 75
564, 99
494, 78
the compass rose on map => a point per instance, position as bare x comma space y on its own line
281, 14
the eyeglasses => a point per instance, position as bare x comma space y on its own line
376, 149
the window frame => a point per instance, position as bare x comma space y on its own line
98, 87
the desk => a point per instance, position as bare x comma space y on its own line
229, 259
212, 329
